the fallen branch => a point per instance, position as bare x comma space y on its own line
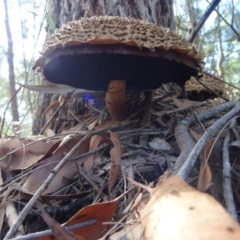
192, 157
183, 138
227, 188
205, 16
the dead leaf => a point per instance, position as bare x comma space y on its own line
61, 89
58, 231
178, 211
116, 157
92, 125
159, 144
53, 105
65, 140
195, 135
182, 103
38, 176
205, 175
102, 212
26, 156
95, 141
48, 132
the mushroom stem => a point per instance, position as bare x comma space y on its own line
146, 116
117, 103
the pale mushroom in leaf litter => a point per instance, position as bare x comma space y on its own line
117, 53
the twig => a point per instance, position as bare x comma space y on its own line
49, 232
205, 16
192, 157
214, 92
221, 80
227, 188
177, 110
11, 215
46, 183
63, 209
87, 176
111, 230
4, 113
146, 117
229, 24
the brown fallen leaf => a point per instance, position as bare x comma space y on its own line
53, 105
205, 175
178, 211
95, 141
116, 157
92, 125
195, 135
48, 132
102, 212
58, 231
38, 176
182, 103
26, 156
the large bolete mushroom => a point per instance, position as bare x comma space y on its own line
119, 53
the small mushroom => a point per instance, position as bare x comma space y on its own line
198, 92
119, 53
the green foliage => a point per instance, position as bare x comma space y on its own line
216, 38
50, 21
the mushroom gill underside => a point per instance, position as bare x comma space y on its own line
93, 70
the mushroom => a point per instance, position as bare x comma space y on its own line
198, 91
119, 53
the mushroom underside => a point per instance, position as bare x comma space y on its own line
92, 67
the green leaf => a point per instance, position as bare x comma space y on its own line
50, 21
231, 39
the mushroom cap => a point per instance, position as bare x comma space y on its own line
92, 51
197, 91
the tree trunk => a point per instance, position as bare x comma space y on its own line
14, 105
158, 11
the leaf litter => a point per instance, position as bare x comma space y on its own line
92, 188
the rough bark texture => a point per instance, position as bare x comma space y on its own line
157, 11
14, 105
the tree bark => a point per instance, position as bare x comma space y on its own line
156, 11
14, 105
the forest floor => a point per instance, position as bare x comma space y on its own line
172, 174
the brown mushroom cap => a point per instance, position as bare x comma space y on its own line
196, 91
92, 51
